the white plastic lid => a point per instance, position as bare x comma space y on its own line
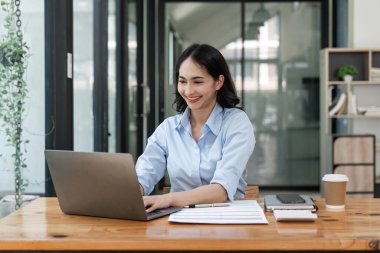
335, 178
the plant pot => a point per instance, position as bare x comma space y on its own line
348, 78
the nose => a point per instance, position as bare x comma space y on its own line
188, 89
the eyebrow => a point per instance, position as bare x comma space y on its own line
193, 78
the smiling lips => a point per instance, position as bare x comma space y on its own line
193, 99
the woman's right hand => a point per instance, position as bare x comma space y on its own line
154, 202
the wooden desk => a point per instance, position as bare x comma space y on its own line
42, 226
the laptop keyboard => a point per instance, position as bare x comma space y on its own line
161, 212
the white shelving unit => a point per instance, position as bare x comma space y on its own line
367, 92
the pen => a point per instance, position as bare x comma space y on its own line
208, 205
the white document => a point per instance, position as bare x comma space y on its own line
238, 212
294, 215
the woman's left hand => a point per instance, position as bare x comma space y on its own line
154, 202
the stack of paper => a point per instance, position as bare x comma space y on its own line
375, 74
373, 111
238, 212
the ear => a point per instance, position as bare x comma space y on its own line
219, 82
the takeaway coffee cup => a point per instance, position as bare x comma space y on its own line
334, 186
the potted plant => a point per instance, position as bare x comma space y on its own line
13, 91
347, 72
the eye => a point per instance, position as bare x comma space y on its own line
181, 81
198, 82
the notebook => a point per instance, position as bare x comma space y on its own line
98, 184
271, 202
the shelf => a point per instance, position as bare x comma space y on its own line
354, 116
302, 124
365, 87
331, 83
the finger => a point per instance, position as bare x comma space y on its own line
148, 203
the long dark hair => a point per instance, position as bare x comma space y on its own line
213, 61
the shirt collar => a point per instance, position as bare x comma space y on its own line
214, 121
184, 120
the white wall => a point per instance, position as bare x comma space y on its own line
364, 19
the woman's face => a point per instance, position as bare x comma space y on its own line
197, 87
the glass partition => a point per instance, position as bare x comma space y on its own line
186, 23
282, 91
279, 86
132, 79
83, 75
111, 76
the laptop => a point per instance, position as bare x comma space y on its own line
99, 184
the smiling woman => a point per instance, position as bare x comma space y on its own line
205, 148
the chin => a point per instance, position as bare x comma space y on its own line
193, 107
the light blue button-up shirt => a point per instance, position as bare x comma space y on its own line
220, 155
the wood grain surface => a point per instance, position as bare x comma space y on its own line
41, 225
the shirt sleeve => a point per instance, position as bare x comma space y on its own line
151, 165
238, 144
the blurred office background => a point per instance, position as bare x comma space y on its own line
123, 55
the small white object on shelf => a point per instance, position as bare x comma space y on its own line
370, 110
351, 107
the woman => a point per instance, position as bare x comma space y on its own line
206, 147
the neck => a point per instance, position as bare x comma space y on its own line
199, 117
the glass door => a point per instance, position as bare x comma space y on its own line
273, 53
135, 84
132, 79
83, 81
186, 23
281, 91
120, 111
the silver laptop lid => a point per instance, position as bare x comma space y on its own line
96, 184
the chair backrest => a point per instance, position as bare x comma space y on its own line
251, 191
354, 155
